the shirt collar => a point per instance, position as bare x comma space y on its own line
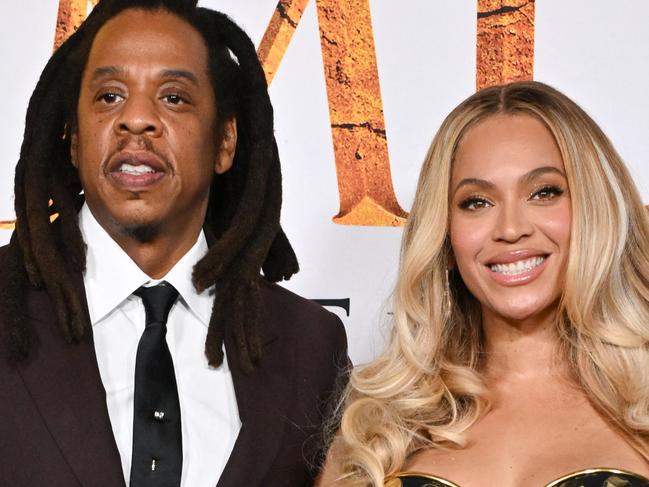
112, 276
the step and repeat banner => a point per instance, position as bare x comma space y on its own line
359, 88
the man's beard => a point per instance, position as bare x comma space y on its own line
143, 232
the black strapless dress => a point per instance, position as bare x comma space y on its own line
593, 477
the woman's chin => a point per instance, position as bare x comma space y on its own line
523, 312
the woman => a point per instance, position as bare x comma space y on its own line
520, 346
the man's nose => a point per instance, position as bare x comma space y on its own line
512, 223
139, 116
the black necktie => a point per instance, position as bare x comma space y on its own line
157, 439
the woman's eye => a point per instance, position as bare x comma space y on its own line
546, 193
475, 203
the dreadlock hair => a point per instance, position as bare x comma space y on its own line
244, 203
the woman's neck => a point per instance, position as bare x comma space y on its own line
522, 349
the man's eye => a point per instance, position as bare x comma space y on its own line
174, 99
475, 203
546, 193
110, 98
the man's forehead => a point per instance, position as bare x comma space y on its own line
158, 38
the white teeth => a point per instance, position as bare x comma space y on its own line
517, 267
135, 170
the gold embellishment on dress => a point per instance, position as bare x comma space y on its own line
616, 479
613, 481
396, 477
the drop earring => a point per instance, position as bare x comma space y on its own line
447, 295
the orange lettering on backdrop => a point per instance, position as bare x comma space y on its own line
71, 14
356, 114
505, 44
355, 107
278, 35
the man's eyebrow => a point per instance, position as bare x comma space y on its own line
119, 71
107, 71
180, 73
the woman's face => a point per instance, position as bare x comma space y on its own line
510, 217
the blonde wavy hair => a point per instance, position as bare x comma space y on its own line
426, 389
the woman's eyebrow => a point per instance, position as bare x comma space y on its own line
525, 178
540, 171
481, 183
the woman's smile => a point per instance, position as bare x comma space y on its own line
516, 267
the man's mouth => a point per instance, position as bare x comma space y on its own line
519, 267
135, 170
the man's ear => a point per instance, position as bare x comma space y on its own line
74, 140
225, 155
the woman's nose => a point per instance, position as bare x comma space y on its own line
512, 222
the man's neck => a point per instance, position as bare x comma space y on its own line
157, 257
159, 254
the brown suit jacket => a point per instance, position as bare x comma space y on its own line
54, 424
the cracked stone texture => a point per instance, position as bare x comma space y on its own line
278, 35
505, 42
356, 114
71, 14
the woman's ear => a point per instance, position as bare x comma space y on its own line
450, 256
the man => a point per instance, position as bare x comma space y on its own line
149, 178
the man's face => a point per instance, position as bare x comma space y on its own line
146, 140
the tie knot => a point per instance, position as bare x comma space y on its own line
157, 300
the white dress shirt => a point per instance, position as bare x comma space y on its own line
209, 414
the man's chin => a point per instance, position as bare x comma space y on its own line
142, 232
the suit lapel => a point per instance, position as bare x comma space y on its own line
63, 379
263, 397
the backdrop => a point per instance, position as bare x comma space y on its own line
359, 88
